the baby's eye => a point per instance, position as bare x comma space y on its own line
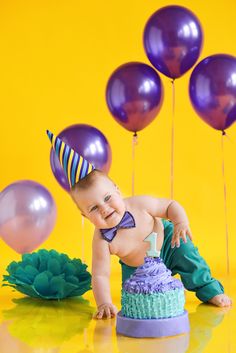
107, 198
94, 208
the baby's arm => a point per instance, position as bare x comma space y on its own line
165, 208
176, 213
101, 278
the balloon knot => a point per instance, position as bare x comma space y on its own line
223, 132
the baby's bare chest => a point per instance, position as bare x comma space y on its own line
130, 240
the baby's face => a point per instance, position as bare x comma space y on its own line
101, 203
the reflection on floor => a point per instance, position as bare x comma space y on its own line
35, 326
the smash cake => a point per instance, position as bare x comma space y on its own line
152, 303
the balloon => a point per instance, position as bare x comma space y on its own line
212, 90
134, 95
87, 141
27, 215
173, 40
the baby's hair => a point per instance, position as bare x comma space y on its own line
89, 180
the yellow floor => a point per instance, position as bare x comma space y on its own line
28, 325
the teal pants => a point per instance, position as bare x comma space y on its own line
185, 260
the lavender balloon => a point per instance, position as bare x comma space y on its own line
27, 215
173, 40
90, 143
212, 90
134, 95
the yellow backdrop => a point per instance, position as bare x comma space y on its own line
56, 58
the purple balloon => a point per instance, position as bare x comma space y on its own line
90, 143
134, 95
173, 40
27, 215
212, 90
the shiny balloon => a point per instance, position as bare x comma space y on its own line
90, 143
27, 215
173, 40
212, 90
134, 95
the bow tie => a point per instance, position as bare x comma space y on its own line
127, 221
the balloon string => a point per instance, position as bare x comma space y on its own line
172, 141
134, 143
85, 337
82, 239
225, 203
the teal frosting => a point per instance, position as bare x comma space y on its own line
153, 306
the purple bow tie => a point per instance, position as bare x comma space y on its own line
127, 221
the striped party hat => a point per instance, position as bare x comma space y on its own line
75, 166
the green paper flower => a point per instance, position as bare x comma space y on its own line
48, 275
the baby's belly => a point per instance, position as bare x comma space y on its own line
134, 257
133, 251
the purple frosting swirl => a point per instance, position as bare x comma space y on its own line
151, 277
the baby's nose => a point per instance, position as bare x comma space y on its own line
103, 209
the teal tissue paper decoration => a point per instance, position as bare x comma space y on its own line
48, 274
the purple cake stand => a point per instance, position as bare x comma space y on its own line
152, 327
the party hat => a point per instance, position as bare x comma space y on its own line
75, 166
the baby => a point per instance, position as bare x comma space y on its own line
121, 226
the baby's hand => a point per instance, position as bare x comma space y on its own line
180, 231
106, 310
